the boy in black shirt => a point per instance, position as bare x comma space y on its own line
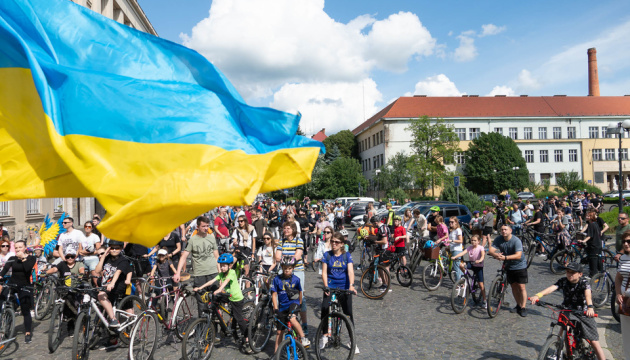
116, 273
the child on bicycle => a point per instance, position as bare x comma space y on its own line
283, 289
577, 296
400, 236
227, 278
476, 254
442, 231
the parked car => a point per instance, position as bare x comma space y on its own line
358, 220
447, 210
489, 197
417, 204
615, 194
526, 195
354, 209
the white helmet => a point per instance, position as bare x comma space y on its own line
344, 232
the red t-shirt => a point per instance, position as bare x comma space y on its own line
220, 226
399, 231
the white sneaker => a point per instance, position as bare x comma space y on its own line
305, 342
356, 351
323, 341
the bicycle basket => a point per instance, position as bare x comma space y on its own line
432, 253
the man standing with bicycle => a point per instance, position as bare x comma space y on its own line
507, 247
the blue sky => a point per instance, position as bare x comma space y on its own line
338, 62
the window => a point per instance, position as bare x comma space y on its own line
597, 154
514, 133
529, 156
498, 130
593, 132
89, 4
368, 139
542, 133
528, 133
605, 133
557, 133
375, 160
545, 177
451, 211
572, 155
474, 133
544, 156
610, 154
32, 206
58, 203
571, 132
624, 154
532, 177
461, 133
557, 155
374, 141
4, 208
460, 158
381, 137
382, 163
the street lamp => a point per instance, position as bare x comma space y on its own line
619, 129
514, 169
378, 183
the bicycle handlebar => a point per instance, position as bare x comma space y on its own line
334, 290
560, 307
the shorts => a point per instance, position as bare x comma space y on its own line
401, 250
90, 262
517, 276
286, 315
245, 250
114, 297
477, 272
300, 275
487, 230
589, 327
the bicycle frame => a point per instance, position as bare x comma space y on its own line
290, 333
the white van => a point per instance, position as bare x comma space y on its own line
346, 200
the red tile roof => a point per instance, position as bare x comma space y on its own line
320, 136
488, 107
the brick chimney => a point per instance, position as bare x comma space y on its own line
593, 78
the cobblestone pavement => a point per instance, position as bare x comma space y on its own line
409, 323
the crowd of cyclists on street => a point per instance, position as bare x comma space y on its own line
225, 250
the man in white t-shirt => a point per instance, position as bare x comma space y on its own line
71, 239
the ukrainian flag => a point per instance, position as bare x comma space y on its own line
91, 107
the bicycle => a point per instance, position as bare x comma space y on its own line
602, 284
367, 254
433, 273
199, 337
144, 335
7, 317
181, 310
416, 253
65, 299
261, 324
403, 273
336, 329
497, 292
374, 278
533, 239
45, 296
465, 287
290, 348
568, 342
574, 253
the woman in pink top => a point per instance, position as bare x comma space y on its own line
476, 255
442, 230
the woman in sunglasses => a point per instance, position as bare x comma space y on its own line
5, 252
323, 247
91, 243
244, 239
266, 253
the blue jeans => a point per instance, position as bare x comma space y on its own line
458, 271
300, 275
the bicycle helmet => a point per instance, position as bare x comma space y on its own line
374, 219
435, 208
288, 261
344, 232
364, 233
225, 258
429, 244
397, 217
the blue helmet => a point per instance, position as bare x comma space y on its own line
429, 244
225, 258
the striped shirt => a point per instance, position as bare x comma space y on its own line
289, 247
624, 270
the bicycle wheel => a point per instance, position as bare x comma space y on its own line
560, 260
336, 342
54, 328
286, 351
260, 327
81, 340
495, 296
44, 301
98, 331
365, 259
432, 276
459, 295
530, 254
609, 258
183, 316
144, 337
132, 306
7, 327
198, 340
404, 276
249, 294
614, 307
600, 288
477, 296
552, 349
375, 282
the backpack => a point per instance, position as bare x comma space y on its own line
372, 233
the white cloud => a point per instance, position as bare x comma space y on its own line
491, 29
526, 81
439, 85
502, 90
261, 45
466, 50
333, 106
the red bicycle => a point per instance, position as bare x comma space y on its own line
568, 343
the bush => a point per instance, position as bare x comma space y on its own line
546, 194
466, 197
610, 217
398, 194
593, 189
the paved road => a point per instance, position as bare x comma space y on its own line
409, 323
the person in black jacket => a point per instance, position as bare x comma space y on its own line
21, 266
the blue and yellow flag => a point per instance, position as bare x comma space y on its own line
91, 107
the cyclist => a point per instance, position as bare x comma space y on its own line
285, 306
456, 243
244, 240
229, 282
420, 223
382, 243
67, 268
115, 272
516, 217
487, 223
339, 211
432, 223
338, 273
323, 246
476, 254
538, 222
577, 296
400, 238
266, 253
593, 242
509, 248
390, 218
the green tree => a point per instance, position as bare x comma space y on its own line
569, 181
299, 131
490, 162
433, 144
332, 154
346, 142
395, 174
398, 194
311, 189
340, 178
466, 197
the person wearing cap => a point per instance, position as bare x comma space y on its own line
576, 291
3, 231
432, 223
38, 252
115, 272
66, 269
163, 266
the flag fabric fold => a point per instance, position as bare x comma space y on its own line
91, 107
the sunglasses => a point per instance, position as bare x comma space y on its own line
66, 222
336, 242
115, 248
70, 256
87, 227
622, 218
327, 232
624, 241
266, 238
241, 221
5, 246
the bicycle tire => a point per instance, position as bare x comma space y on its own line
81, 340
552, 349
97, 332
144, 337
609, 258
7, 327
369, 288
432, 276
600, 289
281, 354
183, 316
55, 328
495, 296
249, 294
459, 296
559, 260
335, 343
530, 255
138, 306
260, 327
404, 276
200, 334
44, 301
614, 307
477, 296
